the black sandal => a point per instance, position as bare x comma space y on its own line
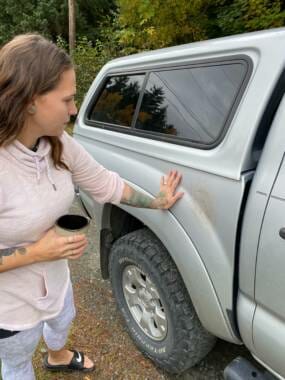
76, 364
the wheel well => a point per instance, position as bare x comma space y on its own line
120, 223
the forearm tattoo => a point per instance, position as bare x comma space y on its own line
137, 199
10, 252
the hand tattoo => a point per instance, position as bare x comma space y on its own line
160, 201
10, 252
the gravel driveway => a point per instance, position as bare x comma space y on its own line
99, 332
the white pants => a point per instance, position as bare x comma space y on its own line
16, 351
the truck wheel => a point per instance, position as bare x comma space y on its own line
155, 304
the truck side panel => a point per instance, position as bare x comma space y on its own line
208, 232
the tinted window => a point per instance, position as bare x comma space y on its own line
117, 102
192, 103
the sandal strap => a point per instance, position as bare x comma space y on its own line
77, 361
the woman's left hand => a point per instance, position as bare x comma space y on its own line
167, 194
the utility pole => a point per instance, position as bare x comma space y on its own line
71, 25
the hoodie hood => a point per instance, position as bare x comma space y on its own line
32, 164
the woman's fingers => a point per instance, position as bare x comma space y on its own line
74, 251
176, 181
75, 254
167, 179
177, 196
172, 179
74, 257
73, 238
74, 246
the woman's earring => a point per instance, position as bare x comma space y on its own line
32, 110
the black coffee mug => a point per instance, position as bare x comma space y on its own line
71, 224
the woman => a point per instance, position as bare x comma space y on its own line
39, 165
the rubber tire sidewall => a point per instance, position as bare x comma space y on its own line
121, 257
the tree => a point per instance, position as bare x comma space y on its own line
50, 18
90, 16
149, 24
17, 17
240, 16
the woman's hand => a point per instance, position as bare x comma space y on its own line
167, 195
54, 247
164, 200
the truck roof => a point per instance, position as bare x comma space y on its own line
252, 39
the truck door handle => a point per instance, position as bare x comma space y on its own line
282, 232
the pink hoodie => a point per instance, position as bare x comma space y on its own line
33, 194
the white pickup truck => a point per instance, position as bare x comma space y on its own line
214, 264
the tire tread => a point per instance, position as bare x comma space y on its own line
194, 341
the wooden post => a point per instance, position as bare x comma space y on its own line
71, 24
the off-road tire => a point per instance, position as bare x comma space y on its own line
186, 341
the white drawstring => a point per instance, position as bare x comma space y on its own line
37, 162
38, 168
49, 174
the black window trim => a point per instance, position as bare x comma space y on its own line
139, 103
239, 58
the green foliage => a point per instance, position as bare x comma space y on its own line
240, 16
87, 65
47, 18
150, 24
50, 18
108, 43
90, 14
90, 57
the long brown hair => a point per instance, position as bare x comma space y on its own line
30, 65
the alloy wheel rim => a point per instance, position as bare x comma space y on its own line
144, 303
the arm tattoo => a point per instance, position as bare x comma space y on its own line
137, 199
10, 252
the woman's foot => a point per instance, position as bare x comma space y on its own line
68, 360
